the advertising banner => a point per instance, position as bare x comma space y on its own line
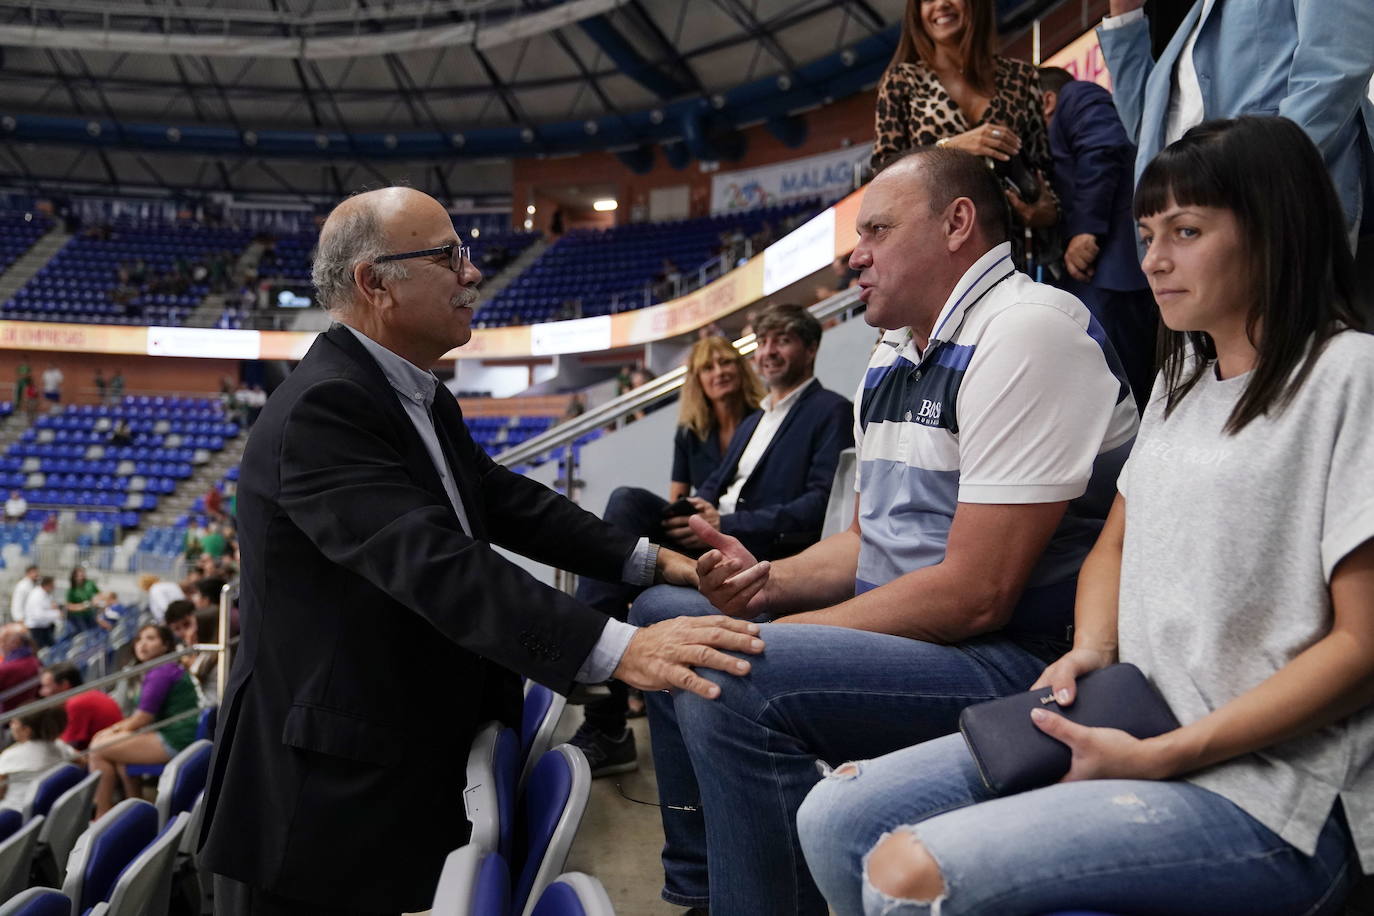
1083, 58
827, 175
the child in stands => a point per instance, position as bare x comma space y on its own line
1236, 570
36, 749
167, 692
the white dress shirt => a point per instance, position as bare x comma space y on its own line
19, 598
1185, 99
769, 423
40, 609
415, 389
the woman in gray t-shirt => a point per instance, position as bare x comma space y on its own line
1236, 570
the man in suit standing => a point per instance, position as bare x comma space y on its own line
1306, 60
770, 491
379, 627
1092, 178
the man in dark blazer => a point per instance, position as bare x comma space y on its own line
1093, 162
770, 491
379, 627
771, 487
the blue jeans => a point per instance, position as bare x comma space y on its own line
733, 771
638, 513
1126, 846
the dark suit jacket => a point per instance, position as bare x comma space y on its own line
377, 637
782, 506
1093, 162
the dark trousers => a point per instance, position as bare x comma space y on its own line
639, 513
234, 898
42, 636
1131, 321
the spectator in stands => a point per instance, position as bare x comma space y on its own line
719, 391
946, 86
88, 712
845, 277
16, 506
19, 598
19, 667
42, 613
167, 691
1311, 60
365, 499
52, 384
190, 628
771, 486
213, 544
117, 386
81, 601
160, 594
37, 748
30, 400
955, 582
1093, 180
1236, 570
23, 378
121, 434
101, 386
214, 504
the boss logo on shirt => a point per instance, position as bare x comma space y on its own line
928, 414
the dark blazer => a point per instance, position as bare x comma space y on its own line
377, 637
1093, 161
782, 506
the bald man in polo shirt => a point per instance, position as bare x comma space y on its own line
990, 427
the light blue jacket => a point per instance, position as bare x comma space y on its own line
1307, 60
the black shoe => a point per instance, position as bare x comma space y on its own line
607, 755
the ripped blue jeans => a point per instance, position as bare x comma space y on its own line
1123, 846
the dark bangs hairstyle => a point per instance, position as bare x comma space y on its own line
1268, 173
976, 47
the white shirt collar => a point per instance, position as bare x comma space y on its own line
791, 398
409, 380
993, 266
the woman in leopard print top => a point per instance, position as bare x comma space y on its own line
945, 77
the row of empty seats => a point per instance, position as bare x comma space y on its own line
18, 232
606, 270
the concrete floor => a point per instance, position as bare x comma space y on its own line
619, 841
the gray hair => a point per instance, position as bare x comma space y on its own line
347, 240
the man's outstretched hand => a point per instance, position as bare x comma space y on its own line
663, 655
731, 579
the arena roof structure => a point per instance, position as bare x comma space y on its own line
306, 98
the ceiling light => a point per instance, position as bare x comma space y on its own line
605, 206
530, 209
476, 232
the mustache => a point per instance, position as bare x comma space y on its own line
466, 296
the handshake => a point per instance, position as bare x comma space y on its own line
662, 656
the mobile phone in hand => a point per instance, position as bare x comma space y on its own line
681, 507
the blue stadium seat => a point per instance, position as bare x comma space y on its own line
38, 901
490, 792
105, 849
182, 780
552, 805
17, 851
574, 894
538, 719
474, 882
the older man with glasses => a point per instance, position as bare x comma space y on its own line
379, 627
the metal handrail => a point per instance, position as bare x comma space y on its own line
59, 698
637, 399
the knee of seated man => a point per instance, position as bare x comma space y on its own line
902, 868
664, 602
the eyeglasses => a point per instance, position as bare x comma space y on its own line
455, 253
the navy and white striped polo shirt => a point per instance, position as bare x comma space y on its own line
1018, 398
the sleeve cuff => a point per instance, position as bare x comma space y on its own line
1020, 493
640, 564
605, 656
1351, 533
1125, 19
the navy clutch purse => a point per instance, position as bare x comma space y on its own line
1013, 755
